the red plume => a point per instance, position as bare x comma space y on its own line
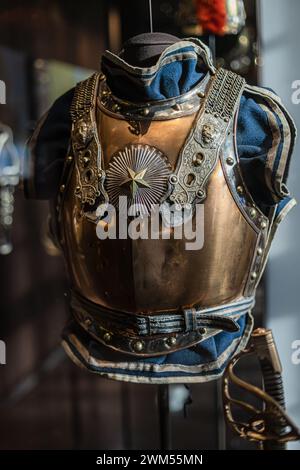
211, 15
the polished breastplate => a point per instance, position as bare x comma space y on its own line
152, 296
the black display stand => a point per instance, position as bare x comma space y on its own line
165, 434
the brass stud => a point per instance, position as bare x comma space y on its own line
145, 111
172, 341
201, 94
263, 224
216, 115
138, 346
201, 193
229, 161
77, 189
226, 119
240, 190
115, 108
202, 331
198, 159
86, 160
253, 276
62, 188
107, 337
259, 251
69, 159
252, 212
173, 179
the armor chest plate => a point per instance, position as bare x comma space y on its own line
160, 274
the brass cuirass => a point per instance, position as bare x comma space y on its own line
189, 151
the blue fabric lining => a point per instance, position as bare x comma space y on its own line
173, 79
204, 353
254, 140
281, 205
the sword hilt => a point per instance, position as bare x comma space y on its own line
266, 351
267, 424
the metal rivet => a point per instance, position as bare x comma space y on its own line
145, 111
138, 346
107, 337
252, 212
240, 189
201, 94
263, 224
77, 189
62, 188
229, 161
86, 160
253, 276
202, 331
259, 251
172, 341
69, 159
216, 115
173, 179
198, 159
200, 193
115, 107
226, 119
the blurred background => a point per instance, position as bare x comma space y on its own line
46, 402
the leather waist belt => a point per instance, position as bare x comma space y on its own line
159, 333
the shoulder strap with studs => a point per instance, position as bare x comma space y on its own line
200, 152
86, 145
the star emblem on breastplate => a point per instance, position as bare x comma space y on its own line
141, 173
135, 181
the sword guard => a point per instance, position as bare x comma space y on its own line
268, 422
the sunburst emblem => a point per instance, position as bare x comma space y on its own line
139, 172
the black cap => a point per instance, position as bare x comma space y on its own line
144, 49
